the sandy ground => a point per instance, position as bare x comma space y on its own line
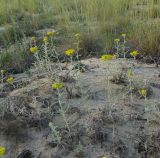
102, 117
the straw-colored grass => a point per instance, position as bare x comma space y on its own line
104, 20
98, 21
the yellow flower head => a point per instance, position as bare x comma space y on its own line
57, 85
33, 49
134, 53
10, 80
104, 157
117, 40
2, 71
33, 38
77, 35
106, 57
143, 92
70, 52
45, 39
123, 35
130, 72
50, 33
2, 151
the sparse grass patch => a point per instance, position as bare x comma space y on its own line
18, 53
98, 27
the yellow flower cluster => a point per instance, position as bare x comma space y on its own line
57, 85
117, 40
50, 33
34, 49
106, 57
104, 157
143, 92
77, 35
2, 71
2, 151
134, 53
70, 52
123, 35
33, 38
10, 80
45, 39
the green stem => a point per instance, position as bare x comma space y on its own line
46, 53
71, 60
130, 87
2, 81
78, 49
62, 111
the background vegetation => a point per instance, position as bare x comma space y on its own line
99, 22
